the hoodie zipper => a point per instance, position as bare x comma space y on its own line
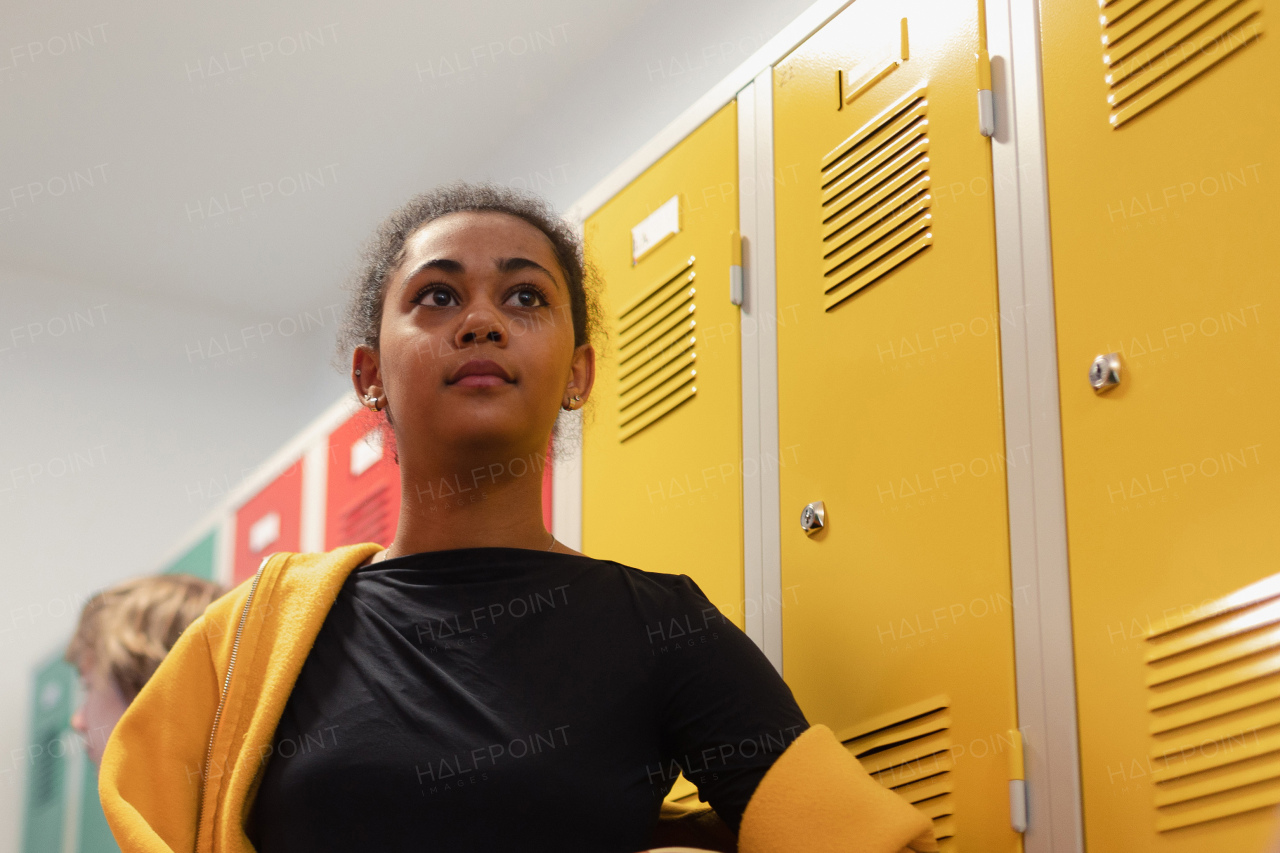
222, 700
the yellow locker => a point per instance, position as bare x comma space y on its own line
897, 617
1161, 125
662, 452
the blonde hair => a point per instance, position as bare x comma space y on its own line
126, 631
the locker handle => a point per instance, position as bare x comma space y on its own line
735, 268
986, 99
1017, 783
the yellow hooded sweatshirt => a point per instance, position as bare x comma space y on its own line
181, 770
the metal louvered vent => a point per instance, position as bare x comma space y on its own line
1152, 48
908, 750
656, 352
875, 199
1213, 681
370, 520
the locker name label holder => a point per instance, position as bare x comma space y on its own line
263, 532
366, 451
655, 229
850, 85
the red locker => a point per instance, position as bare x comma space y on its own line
268, 522
362, 500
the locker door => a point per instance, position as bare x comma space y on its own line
268, 522
199, 561
662, 449
49, 756
897, 614
362, 494
94, 835
1161, 126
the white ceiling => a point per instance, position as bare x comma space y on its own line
124, 282
181, 113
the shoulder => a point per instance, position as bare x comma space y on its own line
666, 584
287, 580
662, 595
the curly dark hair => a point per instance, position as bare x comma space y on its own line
384, 252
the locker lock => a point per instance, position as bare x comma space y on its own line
1104, 373
813, 518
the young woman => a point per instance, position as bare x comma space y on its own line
477, 685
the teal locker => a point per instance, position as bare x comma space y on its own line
49, 756
95, 834
198, 561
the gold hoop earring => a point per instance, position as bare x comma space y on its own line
372, 403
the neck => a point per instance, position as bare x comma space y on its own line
487, 499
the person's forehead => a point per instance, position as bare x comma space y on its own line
488, 231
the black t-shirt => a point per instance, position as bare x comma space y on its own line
501, 699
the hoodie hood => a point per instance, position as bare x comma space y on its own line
183, 763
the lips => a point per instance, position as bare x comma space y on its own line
479, 373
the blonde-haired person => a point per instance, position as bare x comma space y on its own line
123, 634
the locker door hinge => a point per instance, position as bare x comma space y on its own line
735, 268
986, 100
1017, 783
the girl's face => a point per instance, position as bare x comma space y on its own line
476, 349
101, 708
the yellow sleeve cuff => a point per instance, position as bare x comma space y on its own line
817, 798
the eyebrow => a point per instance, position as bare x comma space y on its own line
506, 265
517, 264
442, 264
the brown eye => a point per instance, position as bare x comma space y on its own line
436, 297
528, 297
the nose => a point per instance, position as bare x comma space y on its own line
493, 334
481, 324
78, 721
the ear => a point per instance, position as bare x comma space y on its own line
366, 376
582, 373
